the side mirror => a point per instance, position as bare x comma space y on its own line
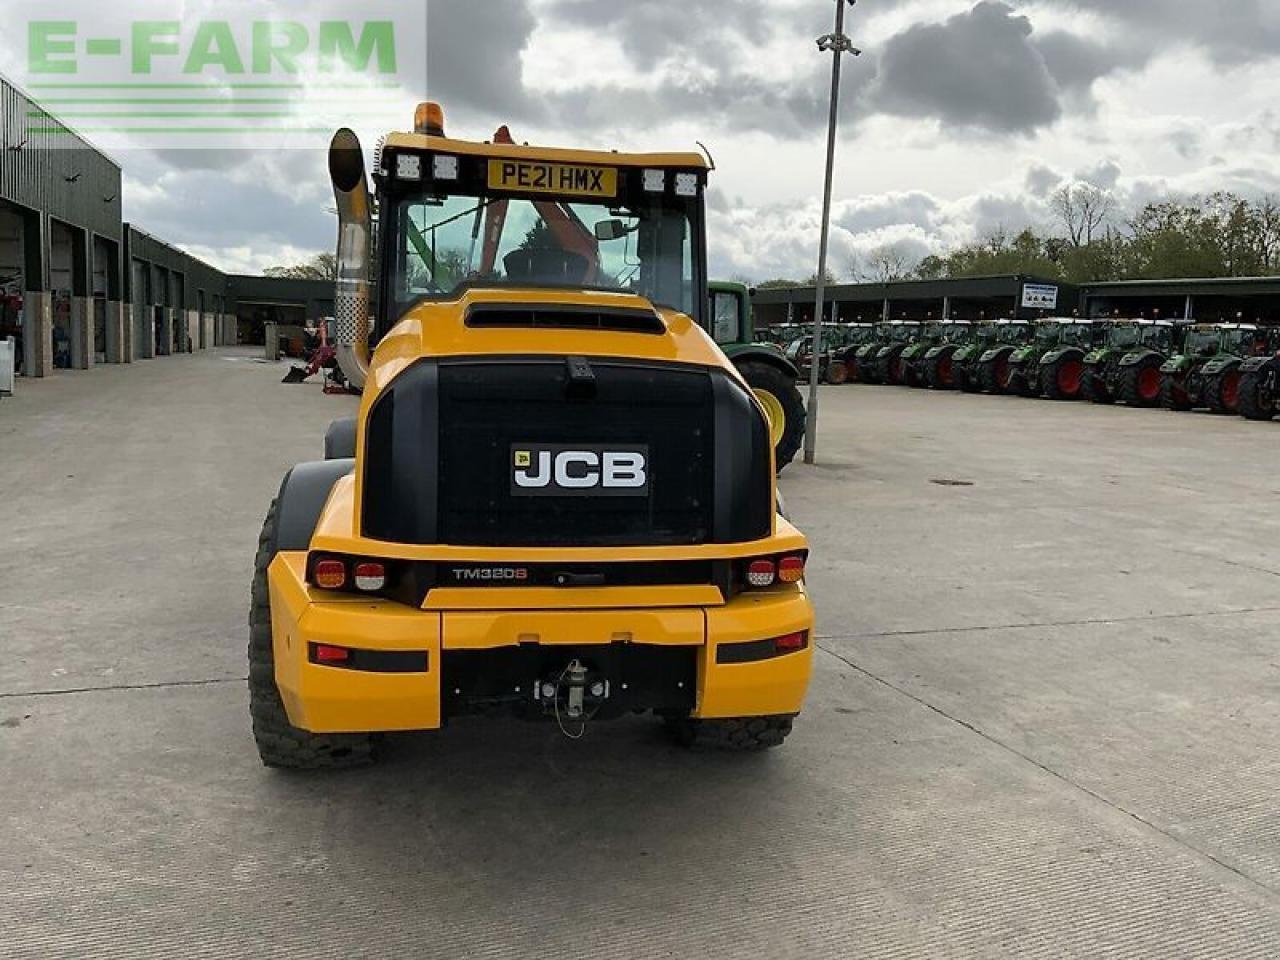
611, 230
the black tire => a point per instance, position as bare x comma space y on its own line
1029, 386
739, 735
987, 380
1172, 396
1093, 388
1129, 393
763, 376
1253, 404
965, 382
280, 743
1214, 396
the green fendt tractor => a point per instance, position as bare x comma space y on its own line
1260, 381
1207, 373
1060, 372
861, 360
901, 334
1126, 365
830, 368
993, 373
938, 366
911, 360
769, 374
856, 336
965, 361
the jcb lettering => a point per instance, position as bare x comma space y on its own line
567, 472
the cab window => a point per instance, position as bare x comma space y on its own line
726, 316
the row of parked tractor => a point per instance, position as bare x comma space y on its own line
1225, 368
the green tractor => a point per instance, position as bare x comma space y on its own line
964, 362
912, 357
993, 369
938, 365
1207, 373
861, 360
1059, 373
1260, 381
1126, 365
767, 371
845, 357
901, 334
831, 368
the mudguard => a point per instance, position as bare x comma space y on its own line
1176, 365
994, 354
884, 352
867, 351
1254, 364
302, 497
761, 353
1219, 366
1023, 355
935, 352
1053, 356
1133, 359
340, 439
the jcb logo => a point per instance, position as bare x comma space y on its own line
551, 470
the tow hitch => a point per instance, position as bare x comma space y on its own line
576, 693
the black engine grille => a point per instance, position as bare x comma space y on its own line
439, 455
486, 409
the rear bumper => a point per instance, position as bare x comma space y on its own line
671, 643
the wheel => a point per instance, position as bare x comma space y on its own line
837, 373
1026, 386
1062, 379
1140, 384
280, 743
893, 370
1093, 388
740, 734
993, 376
940, 372
1222, 393
855, 371
966, 380
1173, 394
784, 406
1257, 395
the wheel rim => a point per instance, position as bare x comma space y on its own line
1231, 390
1149, 383
837, 373
852, 367
946, 372
775, 413
1004, 373
895, 369
1070, 375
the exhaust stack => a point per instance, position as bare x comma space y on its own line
355, 234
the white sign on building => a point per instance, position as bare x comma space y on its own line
1039, 296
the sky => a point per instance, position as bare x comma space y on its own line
960, 118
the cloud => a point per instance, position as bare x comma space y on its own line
1041, 180
978, 69
1075, 62
1230, 31
474, 56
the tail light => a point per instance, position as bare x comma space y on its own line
330, 574
370, 576
763, 572
326, 653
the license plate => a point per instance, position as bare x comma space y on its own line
565, 179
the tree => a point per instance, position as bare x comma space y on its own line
323, 266
779, 284
1082, 209
884, 264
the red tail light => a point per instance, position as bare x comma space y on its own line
330, 574
761, 573
324, 653
792, 641
791, 568
370, 576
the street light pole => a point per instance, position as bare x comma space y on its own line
839, 45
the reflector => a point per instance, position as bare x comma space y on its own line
760, 573
791, 569
330, 574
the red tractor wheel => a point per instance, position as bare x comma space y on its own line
851, 368
946, 373
1231, 391
1069, 378
1004, 373
837, 373
895, 370
1149, 384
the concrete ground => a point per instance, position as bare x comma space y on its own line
1044, 722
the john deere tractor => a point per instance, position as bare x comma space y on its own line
1126, 366
899, 335
912, 357
768, 372
993, 371
1207, 374
1260, 381
1061, 370
557, 499
937, 365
